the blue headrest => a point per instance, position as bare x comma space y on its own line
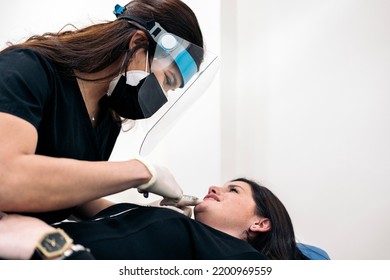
312, 252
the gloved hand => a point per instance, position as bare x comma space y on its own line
162, 182
182, 206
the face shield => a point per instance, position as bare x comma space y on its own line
181, 70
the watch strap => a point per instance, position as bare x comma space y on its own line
36, 255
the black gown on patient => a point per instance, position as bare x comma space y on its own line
128, 231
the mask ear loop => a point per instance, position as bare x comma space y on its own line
126, 62
147, 62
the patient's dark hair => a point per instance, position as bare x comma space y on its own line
278, 243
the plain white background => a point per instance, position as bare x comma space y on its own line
301, 104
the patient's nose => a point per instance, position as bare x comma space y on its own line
214, 189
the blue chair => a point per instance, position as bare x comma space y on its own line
312, 252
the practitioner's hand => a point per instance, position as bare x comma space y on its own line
162, 182
183, 206
19, 235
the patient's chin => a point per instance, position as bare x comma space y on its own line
204, 207
199, 208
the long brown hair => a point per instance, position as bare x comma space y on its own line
279, 243
97, 46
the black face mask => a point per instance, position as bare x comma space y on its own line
137, 102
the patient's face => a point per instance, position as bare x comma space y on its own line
230, 208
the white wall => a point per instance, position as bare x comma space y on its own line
20, 19
312, 116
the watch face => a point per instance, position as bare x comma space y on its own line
54, 242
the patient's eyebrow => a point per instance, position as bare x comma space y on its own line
236, 186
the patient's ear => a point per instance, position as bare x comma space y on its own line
261, 225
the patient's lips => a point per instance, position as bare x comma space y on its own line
211, 196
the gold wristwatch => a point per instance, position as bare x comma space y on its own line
53, 245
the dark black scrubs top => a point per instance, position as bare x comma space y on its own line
32, 88
128, 231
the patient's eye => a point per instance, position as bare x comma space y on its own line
233, 189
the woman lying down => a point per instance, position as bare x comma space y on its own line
240, 220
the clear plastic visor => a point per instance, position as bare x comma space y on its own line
182, 83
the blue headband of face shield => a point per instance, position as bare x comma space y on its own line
169, 44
